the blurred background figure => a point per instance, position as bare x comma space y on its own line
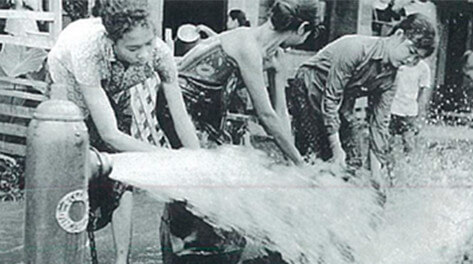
385, 16
386, 13
236, 18
408, 7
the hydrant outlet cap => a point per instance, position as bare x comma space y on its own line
58, 110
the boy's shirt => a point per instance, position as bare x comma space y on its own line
408, 82
351, 67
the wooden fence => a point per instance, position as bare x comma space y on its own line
17, 106
19, 96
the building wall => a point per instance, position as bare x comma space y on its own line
157, 13
344, 18
250, 7
364, 17
455, 25
344, 14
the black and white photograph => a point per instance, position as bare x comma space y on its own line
236, 131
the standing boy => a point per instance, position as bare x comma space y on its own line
409, 102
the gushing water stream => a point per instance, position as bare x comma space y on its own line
312, 216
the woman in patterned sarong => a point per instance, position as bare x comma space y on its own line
112, 67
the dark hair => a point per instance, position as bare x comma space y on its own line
121, 16
289, 14
240, 17
420, 30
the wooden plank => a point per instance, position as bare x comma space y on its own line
12, 148
41, 16
22, 95
39, 34
40, 5
38, 85
29, 41
16, 111
13, 129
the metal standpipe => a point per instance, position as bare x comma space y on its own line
58, 166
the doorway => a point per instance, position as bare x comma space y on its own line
455, 91
208, 12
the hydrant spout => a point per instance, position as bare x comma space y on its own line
101, 164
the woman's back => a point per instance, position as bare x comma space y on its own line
209, 64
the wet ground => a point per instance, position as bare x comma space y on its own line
145, 248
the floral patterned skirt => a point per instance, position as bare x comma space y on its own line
309, 130
104, 198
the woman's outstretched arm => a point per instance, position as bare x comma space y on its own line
277, 78
250, 62
182, 122
166, 69
104, 119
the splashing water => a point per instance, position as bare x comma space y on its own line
311, 216
287, 209
429, 214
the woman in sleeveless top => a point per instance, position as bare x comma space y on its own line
111, 67
212, 72
212, 76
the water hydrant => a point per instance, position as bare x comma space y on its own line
58, 166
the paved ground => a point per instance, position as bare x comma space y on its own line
145, 248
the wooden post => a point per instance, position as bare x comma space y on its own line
57, 169
364, 20
56, 27
168, 39
156, 12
